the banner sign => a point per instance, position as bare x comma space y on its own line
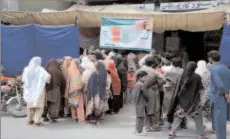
193, 5
147, 7
129, 34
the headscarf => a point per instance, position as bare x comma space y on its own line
132, 61
73, 76
78, 63
189, 70
34, 78
65, 65
111, 66
119, 59
59, 61
57, 78
103, 52
201, 67
98, 55
87, 64
111, 54
89, 68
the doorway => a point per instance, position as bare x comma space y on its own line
194, 44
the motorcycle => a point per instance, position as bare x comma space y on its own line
11, 98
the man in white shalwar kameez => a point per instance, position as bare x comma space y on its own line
35, 78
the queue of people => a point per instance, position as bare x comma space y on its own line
200, 92
85, 88
100, 83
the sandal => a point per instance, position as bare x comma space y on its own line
37, 124
75, 120
93, 122
155, 129
82, 122
45, 119
30, 122
171, 136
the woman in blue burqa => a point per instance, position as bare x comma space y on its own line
187, 101
97, 94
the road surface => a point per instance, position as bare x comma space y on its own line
120, 126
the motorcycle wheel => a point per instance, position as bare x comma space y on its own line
15, 110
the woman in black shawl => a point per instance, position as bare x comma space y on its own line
122, 68
54, 91
97, 93
187, 100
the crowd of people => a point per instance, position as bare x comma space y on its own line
161, 88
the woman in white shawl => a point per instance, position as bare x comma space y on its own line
35, 78
204, 72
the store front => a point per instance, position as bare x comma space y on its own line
196, 44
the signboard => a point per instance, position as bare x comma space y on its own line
129, 34
195, 5
147, 7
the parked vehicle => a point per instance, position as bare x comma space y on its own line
12, 100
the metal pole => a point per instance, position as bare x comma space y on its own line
1, 3
1, 7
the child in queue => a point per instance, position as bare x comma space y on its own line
131, 79
140, 103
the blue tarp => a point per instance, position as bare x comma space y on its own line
225, 46
21, 43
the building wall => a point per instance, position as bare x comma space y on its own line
36, 5
9, 5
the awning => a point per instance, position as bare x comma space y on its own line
89, 16
50, 18
191, 21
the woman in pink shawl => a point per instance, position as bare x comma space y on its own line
74, 88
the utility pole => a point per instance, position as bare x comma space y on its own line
1, 7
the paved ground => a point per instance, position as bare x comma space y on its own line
119, 126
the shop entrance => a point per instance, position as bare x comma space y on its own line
198, 44
194, 44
